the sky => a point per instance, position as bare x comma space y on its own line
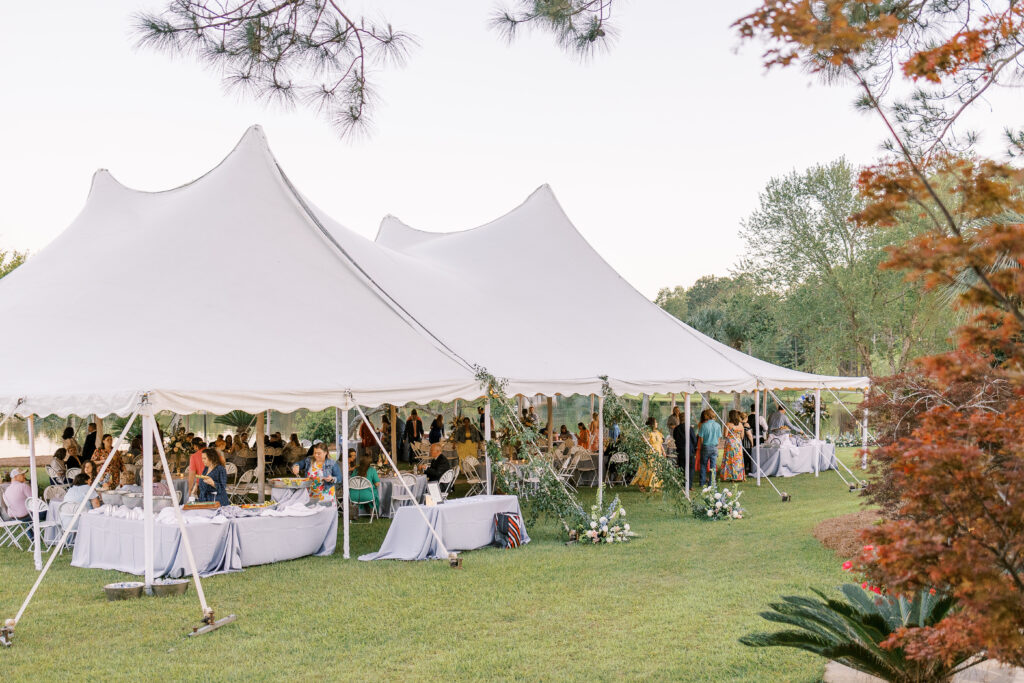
657, 149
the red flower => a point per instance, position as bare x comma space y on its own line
868, 548
847, 566
876, 590
931, 591
864, 585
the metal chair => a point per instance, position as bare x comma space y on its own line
364, 484
585, 468
231, 469
54, 492
66, 512
400, 495
240, 492
12, 531
55, 476
447, 482
40, 507
619, 460
72, 473
469, 470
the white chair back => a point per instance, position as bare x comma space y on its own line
54, 493
36, 505
72, 473
359, 484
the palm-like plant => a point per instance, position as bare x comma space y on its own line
239, 420
852, 631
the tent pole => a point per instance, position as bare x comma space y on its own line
344, 485
817, 430
551, 423
99, 429
487, 438
645, 408
864, 433
206, 435
686, 447
261, 456
600, 450
266, 428
37, 552
757, 432
147, 495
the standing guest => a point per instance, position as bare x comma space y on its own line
480, 417
213, 482
595, 426
680, 435
531, 416
366, 440
438, 463
614, 432
646, 476
16, 496
436, 430
582, 436
673, 419
90, 442
108, 442
195, 462
58, 467
779, 422
413, 434
78, 491
708, 434
221, 445
731, 467
325, 472
115, 468
467, 439
71, 446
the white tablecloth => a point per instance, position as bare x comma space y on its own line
463, 524
219, 544
788, 459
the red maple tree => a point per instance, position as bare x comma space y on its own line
950, 475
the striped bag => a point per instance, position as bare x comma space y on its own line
508, 530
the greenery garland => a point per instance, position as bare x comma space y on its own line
551, 497
634, 444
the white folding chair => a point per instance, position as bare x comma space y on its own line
12, 531
447, 482
231, 469
619, 460
240, 491
40, 507
400, 495
586, 469
66, 512
469, 470
55, 477
364, 484
71, 474
54, 492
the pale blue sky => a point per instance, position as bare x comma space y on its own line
657, 149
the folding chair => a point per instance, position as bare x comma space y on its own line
619, 460
231, 469
66, 512
72, 473
585, 468
399, 494
54, 493
12, 531
363, 484
469, 470
40, 507
240, 492
55, 477
447, 482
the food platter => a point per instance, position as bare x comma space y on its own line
202, 506
291, 483
258, 506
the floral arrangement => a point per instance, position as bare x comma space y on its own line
608, 526
178, 450
806, 409
713, 504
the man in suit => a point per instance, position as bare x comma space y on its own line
682, 433
90, 442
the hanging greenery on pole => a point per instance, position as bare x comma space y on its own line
551, 496
634, 444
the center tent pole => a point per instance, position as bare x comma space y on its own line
757, 432
419, 508
600, 449
487, 438
864, 433
261, 459
37, 552
148, 532
344, 484
686, 447
551, 423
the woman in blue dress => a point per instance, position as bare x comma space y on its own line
213, 482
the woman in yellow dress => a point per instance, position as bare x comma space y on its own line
467, 438
645, 477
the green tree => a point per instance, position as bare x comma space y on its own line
733, 310
802, 243
9, 260
673, 300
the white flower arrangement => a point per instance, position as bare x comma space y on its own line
607, 527
713, 504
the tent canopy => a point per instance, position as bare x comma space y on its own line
221, 294
504, 275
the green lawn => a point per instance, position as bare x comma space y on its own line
669, 605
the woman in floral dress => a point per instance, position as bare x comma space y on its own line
731, 466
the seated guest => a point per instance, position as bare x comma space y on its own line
565, 435
16, 496
276, 441
220, 444
213, 482
78, 491
89, 470
364, 496
159, 487
128, 484
319, 467
58, 467
135, 448
229, 446
70, 445
438, 463
351, 461
292, 452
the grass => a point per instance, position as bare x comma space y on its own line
669, 605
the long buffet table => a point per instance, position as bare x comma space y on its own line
786, 458
222, 541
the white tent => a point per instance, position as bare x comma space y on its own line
218, 295
494, 295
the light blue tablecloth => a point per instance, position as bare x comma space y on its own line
463, 524
789, 460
